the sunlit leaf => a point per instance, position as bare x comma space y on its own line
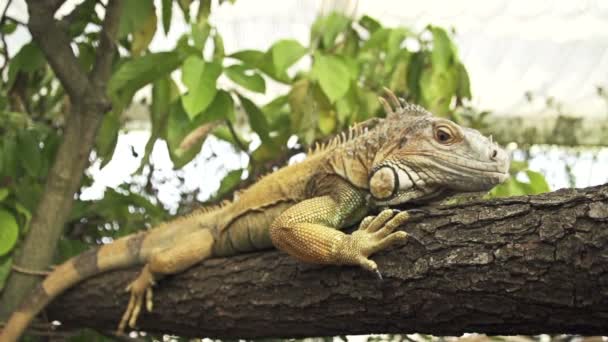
280, 57
200, 77
9, 232
285, 53
538, 184
249, 57
200, 33
333, 76
443, 53
329, 27
245, 77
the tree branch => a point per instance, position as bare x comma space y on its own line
522, 265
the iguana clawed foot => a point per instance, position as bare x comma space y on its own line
375, 233
140, 287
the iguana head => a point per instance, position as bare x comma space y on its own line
424, 156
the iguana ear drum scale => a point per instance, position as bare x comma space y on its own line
405, 159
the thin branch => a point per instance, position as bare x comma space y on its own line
55, 44
4, 11
29, 271
105, 53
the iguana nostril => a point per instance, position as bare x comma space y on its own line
494, 154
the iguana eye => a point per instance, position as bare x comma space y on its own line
443, 135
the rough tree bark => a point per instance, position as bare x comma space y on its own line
88, 104
522, 265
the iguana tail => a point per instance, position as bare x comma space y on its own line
122, 253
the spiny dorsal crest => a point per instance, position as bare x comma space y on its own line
397, 106
352, 132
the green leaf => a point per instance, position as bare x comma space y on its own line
280, 57
134, 15
9, 156
444, 52
377, 40
229, 182
4, 192
329, 27
8, 27
333, 76
138, 72
178, 126
437, 87
538, 184
143, 35
159, 111
6, 264
167, 9
9, 232
245, 77
185, 7
107, 136
28, 59
257, 120
249, 57
82, 15
218, 47
29, 153
369, 23
27, 215
200, 33
463, 89
221, 108
200, 78
285, 53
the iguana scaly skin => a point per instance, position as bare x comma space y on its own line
409, 157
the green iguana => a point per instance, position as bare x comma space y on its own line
408, 157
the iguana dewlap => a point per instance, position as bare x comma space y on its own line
408, 157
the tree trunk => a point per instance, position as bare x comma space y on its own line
89, 103
521, 265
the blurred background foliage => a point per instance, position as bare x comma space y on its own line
330, 83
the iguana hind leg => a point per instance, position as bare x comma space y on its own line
188, 251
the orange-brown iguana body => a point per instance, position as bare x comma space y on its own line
409, 157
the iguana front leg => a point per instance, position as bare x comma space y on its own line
308, 231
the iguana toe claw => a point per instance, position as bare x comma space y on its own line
379, 275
